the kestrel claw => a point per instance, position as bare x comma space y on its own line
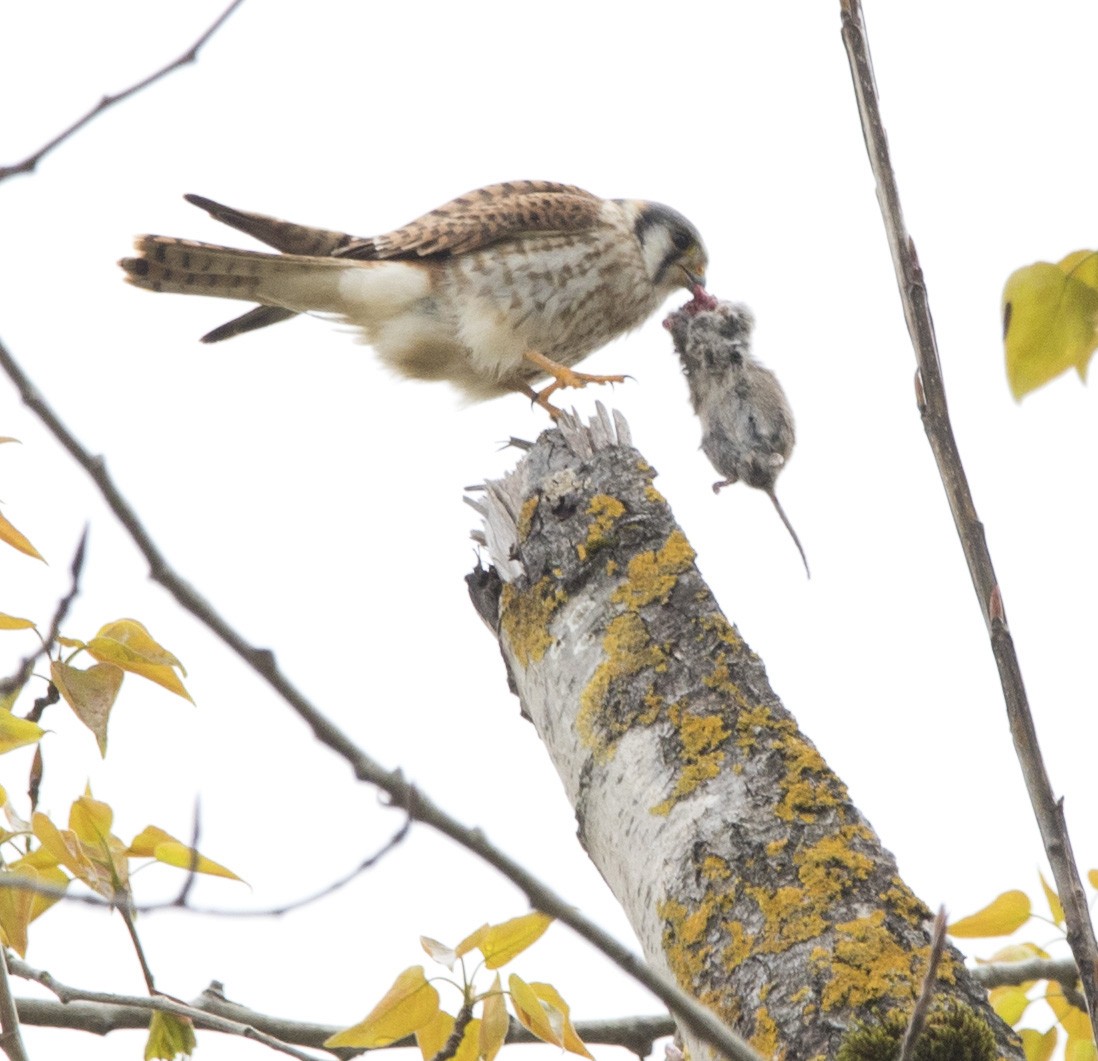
491, 291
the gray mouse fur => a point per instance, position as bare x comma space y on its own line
747, 424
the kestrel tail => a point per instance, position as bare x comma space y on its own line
491, 291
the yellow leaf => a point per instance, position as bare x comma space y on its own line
999, 918
1080, 1050
1038, 1047
500, 943
170, 1037
439, 952
433, 1035
152, 842
1015, 952
90, 693
1092, 876
17, 732
561, 1021
127, 644
71, 642
469, 1047
530, 1012
493, 1022
101, 865
17, 540
16, 905
408, 1005
471, 941
12, 622
1054, 906
91, 820
1009, 1002
1049, 317
1075, 1022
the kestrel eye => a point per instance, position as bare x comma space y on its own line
682, 240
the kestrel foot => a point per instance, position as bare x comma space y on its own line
563, 376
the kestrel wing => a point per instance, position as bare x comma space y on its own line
282, 235
483, 217
285, 236
259, 317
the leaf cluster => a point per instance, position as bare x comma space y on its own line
412, 1006
1002, 917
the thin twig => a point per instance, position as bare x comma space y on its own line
126, 911
26, 667
932, 405
159, 1003
691, 1013
926, 993
11, 1038
189, 56
53, 891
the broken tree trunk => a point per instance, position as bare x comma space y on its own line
745, 870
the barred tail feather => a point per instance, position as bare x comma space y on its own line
193, 268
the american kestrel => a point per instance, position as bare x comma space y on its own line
491, 291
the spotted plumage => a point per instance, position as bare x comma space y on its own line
490, 291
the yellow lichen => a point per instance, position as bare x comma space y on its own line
765, 1036
688, 951
740, 945
526, 517
870, 966
605, 512
525, 617
831, 865
701, 756
651, 576
715, 868
776, 847
628, 649
790, 917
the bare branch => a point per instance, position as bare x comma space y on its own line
189, 56
1047, 809
636, 1034
11, 1038
1062, 971
145, 1006
926, 994
691, 1013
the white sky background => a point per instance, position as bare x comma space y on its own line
317, 501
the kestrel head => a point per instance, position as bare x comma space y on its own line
673, 249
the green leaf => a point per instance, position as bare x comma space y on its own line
170, 1036
1049, 317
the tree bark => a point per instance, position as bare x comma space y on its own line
744, 868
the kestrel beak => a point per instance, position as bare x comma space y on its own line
694, 266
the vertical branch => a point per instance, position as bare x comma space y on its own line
11, 1038
930, 392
